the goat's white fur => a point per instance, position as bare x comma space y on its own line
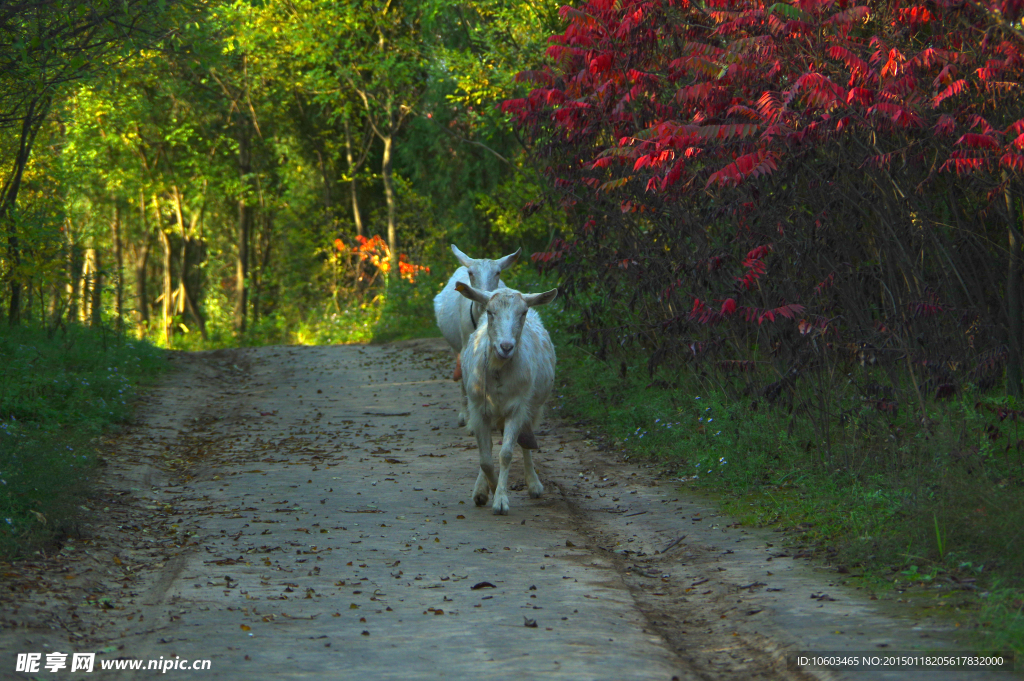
456, 314
508, 370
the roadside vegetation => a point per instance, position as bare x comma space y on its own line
58, 392
912, 515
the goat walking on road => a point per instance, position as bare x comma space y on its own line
457, 317
508, 372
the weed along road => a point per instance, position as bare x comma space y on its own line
305, 512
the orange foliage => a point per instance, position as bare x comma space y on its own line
375, 251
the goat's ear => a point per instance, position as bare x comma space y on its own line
471, 293
533, 299
462, 257
509, 260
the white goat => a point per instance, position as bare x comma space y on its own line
508, 370
458, 317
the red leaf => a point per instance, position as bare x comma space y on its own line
857, 66
789, 311
600, 63
976, 141
955, 88
696, 92
1016, 128
758, 163
945, 125
860, 95
1012, 161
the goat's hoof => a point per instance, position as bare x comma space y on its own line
535, 492
480, 499
462, 420
500, 507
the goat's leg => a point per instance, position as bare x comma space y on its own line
508, 444
533, 482
464, 407
457, 376
486, 480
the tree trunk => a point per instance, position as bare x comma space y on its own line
353, 167
264, 262
74, 270
85, 288
187, 302
1013, 296
119, 263
29, 300
96, 290
244, 227
165, 309
140, 261
8, 197
389, 195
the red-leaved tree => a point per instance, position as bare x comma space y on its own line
789, 185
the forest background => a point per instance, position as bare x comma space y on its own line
787, 237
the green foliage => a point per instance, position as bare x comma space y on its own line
407, 311
228, 155
520, 214
461, 151
481, 46
57, 393
1002, 621
46, 44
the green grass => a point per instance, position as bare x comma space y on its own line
56, 395
1002, 620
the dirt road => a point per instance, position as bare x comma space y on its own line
304, 512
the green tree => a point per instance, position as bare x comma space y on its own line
46, 46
